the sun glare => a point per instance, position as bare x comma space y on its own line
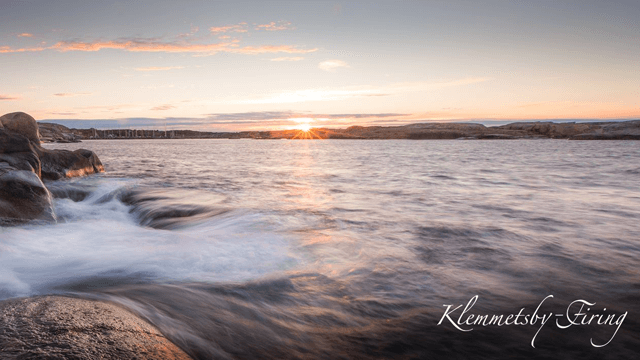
304, 127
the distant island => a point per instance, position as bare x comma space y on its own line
618, 130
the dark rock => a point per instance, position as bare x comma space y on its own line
59, 164
23, 124
23, 196
55, 327
24, 164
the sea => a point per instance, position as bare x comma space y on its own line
351, 249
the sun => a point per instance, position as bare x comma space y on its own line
304, 127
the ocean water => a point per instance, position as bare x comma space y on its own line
340, 249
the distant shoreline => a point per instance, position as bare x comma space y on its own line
613, 130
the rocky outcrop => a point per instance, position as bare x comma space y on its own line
23, 124
619, 130
23, 196
50, 132
24, 164
54, 327
58, 164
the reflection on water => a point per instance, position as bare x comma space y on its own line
346, 249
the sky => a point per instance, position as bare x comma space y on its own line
268, 65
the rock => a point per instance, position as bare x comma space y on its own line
24, 164
23, 124
23, 196
55, 327
59, 164
50, 132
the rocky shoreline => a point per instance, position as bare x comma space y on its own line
55, 327
24, 165
611, 130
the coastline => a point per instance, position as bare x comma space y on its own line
613, 130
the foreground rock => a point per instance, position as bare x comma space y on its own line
24, 164
23, 196
23, 124
54, 327
58, 164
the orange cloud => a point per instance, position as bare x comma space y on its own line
170, 47
272, 26
241, 28
7, 49
182, 43
25, 35
159, 68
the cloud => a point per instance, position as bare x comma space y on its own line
280, 115
7, 49
273, 26
181, 43
159, 68
193, 31
147, 45
163, 107
240, 28
71, 94
332, 65
8, 97
296, 58
345, 93
25, 35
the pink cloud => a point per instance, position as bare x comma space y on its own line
25, 35
273, 26
163, 107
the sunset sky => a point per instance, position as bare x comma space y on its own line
227, 66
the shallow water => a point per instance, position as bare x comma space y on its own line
347, 249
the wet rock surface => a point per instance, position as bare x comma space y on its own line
55, 327
24, 164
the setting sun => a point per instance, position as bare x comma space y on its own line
304, 127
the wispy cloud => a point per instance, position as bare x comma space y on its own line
336, 94
275, 26
163, 107
25, 35
294, 58
71, 94
150, 45
280, 115
181, 43
239, 28
159, 68
332, 65
8, 49
8, 97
